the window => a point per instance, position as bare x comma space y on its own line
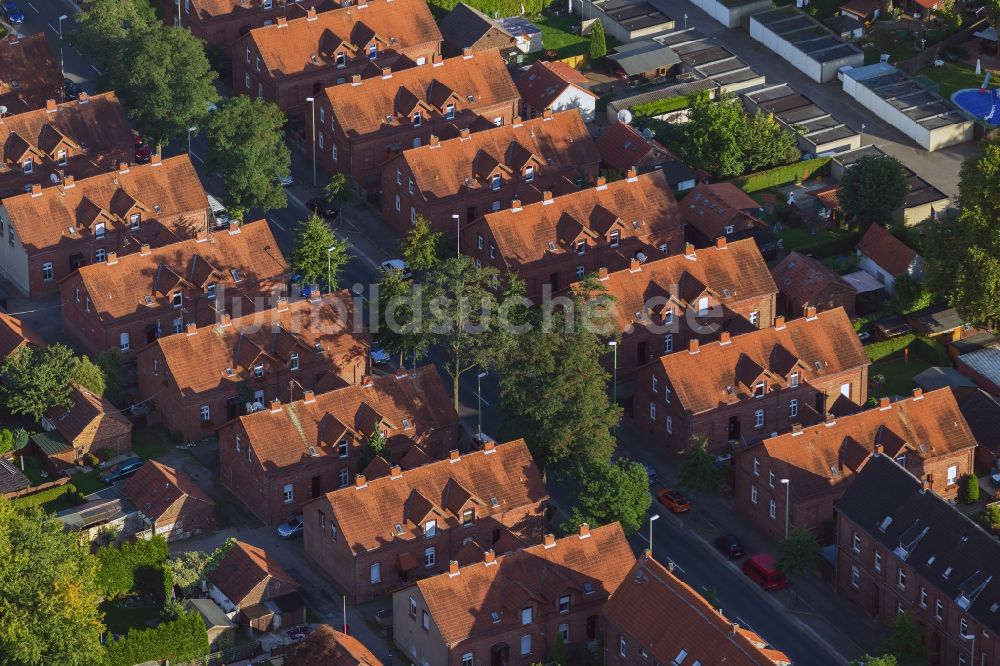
621, 646
759, 389
430, 556
258, 369
498, 121
754, 317
878, 561
794, 380
413, 608
341, 59
375, 575
248, 54
616, 238
938, 607
855, 576
923, 597
729, 229
564, 602
210, 292
246, 79
668, 343
409, 185
668, 316
100, 255
99, 230
397, 203
449, 112
76, 294
479, 241
373, 52
418, 119
581, 247
321, 141
399, 177
293, 361
753, 494
237, 439
526, 615
770, 479
758, 418
952, 475
856, 543
288, 494
963, 627
564, 632
793, 408
123, 341
177, 299
267, 4
28, 166
187, 6
206, 414
425, 620
756, 466
772, 509
430, 529
656, 384
899, 608
526, 644
47, 271
529, 174
178, 325
334, 152
495, 205
901, 578
62, 157
495, 182
468, 659
580, 272
493, 251
343, 478
703, 305
652, 411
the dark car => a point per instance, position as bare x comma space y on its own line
322, 207
291, 528
143, 152
122, 470
71, 89
13, 12
730, 546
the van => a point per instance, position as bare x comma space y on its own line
763, 570
219, 212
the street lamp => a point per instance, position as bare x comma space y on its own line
614, 386
329, 279
458, 252
479, 395
862, 136
62, 62
685, 20
655, 516
190, 129
312, 104
788, 484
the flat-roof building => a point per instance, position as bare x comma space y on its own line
804, 42
818, 131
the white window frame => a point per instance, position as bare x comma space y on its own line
856, 543
375, 573
901, 578
758, 419
430, 529
855, 576
205, 414
47, 272
772, 509
135, 221
670, 425
753, 494
123, 341
343, 477
288, 493
652, 411
793, 408
527, 614
430, 556
526, 644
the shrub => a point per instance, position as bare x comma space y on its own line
992, 514
120, 570
182, 639
91, 460
782, 175
49, 495
660, 106
969, 491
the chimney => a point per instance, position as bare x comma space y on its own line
50, 105
144, 249
515, 204
489, 557
601, 183
631, 175
201, 236
883, 403
437, 59
12, 38
634, 266
735, 627
282, 22
689, 250
83, 98
360, 481
925, 485
779, 323
602, 274
810, 312
308, 396
387, 72
234, 227
282, 304
69, 182
831, 419
367, 382
724, 338
720, 243
400, 373
918, 393
395, 472
516, 121
275, 405
453, 456
466, 53
36, 190
547, 114
796, 428
435, 141
225, 320
549, 541
154, 159
112, 258
452, 568
584, 531
463, 134
547, 197
122, 167
489, 446
693, 346
647, 553
311, 14
879, 449
355, 79
191, 328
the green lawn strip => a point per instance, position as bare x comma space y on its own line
89, 482
953, 77
793, 239
119, 618
33, 469
898, 374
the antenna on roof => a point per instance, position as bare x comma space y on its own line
625, 116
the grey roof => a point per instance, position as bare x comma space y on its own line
907, 95
938, 542
935, 319
518, 25
95, 512
211, 613
862, 282
465, 25
982, 412
805, 33
975, 343
800, 114
985, 362
644, 55
937, 377
11, 478
841, 24
662, 92
50, 442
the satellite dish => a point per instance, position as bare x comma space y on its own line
3, 109
641, 256
625, 116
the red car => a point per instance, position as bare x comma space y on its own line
763, 570
142, 150
674, 500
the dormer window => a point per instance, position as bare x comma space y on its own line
449, 112
430, 529
99, 230
495, 182
759, 389
29, 166
668, 316
564, 602
468, 517
342, 449
529, 174
581, 247
793, 381
729, 229
703, 306
341, 59
293, 361
210, 292
177, 300
373, 52
62, 157
615, 238
134, 220
526, 615
258, 369
418, 119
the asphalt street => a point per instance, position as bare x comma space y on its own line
43, 16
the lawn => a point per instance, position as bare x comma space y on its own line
33, 469
793, 239
954, 76
558, 35
89, 482
899, 44
898, 374
151, 442
119, 618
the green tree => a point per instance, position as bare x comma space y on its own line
246, 148
399, 328
607, 492
110, 363
319, 255
48, 598
765, 143
374, 446
798, 553
880, 660
906, 641
89, 376
105, 27
970, 489
598, 42
710, 139
6, 441
421, 247
167, 85
559, 652
873, 190
36, 380
697, 471
187, 569
337, 192
909, 295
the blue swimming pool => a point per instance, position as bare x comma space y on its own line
981, 105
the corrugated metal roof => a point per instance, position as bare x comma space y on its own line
50, 443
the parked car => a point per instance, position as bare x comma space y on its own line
122, 470
763, 570
13, 12
730, 546
379, 355
397, 265
286, 181
143, 152
674, 500
71, 89
480, 439
291, 528
650, 473
322, 207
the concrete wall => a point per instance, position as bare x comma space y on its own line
821, 72
731, 17
591, 10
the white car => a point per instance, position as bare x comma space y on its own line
397, 265
286, 181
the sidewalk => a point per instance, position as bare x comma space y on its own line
809, 599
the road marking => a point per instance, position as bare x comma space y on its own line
275, 223
54, 29
35, 8
96, 70
194, 155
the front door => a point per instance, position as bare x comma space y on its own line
500, 655
734, 428
315, 487
821, 404
640, 354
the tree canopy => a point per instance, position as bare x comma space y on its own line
798, 553
421, 246
697, 470
608, 492
89, 376
399, 328
598, 42
36, 380
105, 27
906, 641
318, 253
873, 189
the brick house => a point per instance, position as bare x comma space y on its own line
658, 303
250, 583
329, 647
643, 617
278, 459
465, 27
722, 209
221, 22
29, 73
79, 138
743, 388
364, 123
804, 282
46, 234
171, 503
15, 334
509, 609
89, 425
382, 534
297, 58
481, 172
885, 257
903, 549
557, 241
622, 147
202, 378
127, 302
555, 86
925, 433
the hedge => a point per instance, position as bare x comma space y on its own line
782, 175
661, 106
831, 247
46, 496
925, 348
133, 565
178, 640
492, 8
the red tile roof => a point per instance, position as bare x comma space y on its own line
157, 487
666, 616
892, 254
367, 515
90, 415
527, 235
407, 407
461, 605
120, 289
830, 454
29, 63
326, 646
711, 208
723, 373
395, 24
69, 212
803, 279
469, 82
244, 569
545, 81
202, 360
622, 147
452, 167
14, 334
214, 8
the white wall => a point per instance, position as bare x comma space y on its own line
731, 17
573, 98
13, 260
873, 269
821, 72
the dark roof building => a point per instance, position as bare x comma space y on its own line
805, 282
465, 27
